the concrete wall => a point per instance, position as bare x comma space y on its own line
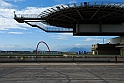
106, 28
105, 49
60, 58
87, 28
109, 51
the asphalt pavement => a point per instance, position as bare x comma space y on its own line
62, 72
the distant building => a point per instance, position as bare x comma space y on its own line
115, 46
15, 52
46, 52
119, 40
105, 49
115, 40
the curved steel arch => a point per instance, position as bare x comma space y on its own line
38, 45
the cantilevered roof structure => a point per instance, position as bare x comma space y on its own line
83, 19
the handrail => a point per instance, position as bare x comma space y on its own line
51, 28
26, 16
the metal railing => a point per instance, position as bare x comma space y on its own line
48, 28
91, 4
27, 16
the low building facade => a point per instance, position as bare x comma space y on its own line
105, 49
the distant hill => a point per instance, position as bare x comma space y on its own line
63, 48
73, 48
76, 49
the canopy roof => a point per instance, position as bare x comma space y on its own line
84, 13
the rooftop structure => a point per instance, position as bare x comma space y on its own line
105, 49
83, 19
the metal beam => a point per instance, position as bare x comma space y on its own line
32, 21
68, 17
107, 5
53, 9
78, 12
60, 19
107, 15
65, 15
112, 5
87, 5
94, 4
104, 11
68, 5
62, 6
120, 5
46, 12
81, 4
50, 10
94, 14
101, 4
43, 14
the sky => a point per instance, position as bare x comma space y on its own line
20, 36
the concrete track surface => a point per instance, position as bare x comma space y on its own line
61, 72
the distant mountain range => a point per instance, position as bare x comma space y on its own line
76, 49
18, 49
73, 48
57, 48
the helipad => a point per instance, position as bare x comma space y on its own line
83, 19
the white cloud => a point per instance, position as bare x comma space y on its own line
17, 0
62, 36
7, 16
4, 4
7, 21
12, 47
7, 45
15, 32
68, 34
68, 1
78, 44
93, 39
31, 10
72, 1
80, 36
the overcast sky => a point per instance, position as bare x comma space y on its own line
16, 36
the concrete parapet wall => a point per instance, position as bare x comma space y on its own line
61, 59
